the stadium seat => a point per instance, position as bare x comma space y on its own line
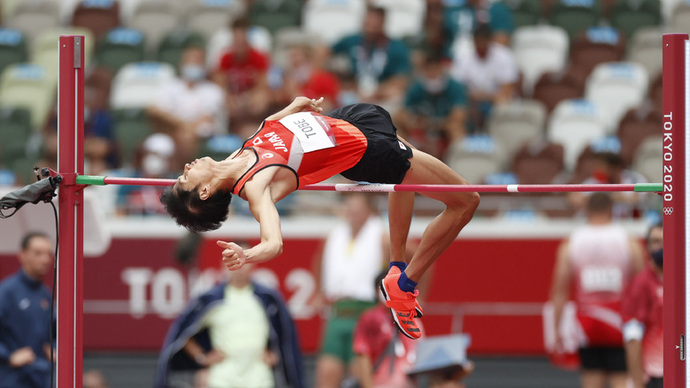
207, 16
276, 15
617, 87
575, 16
554, 87
120, 47
538, 162
514, 123
680, 19
539, 49
476, 156
128, 7
525, 12
287, 38
45, 48
27, 85
218, 147
634, 128
332, 20
597, 45
628, 16
136, 84
14, 136
154, 19
12, 47
171, 47
131, 128
648, 159
589, 158
404, 18
33, 18
7, 8
99, 16
573, 124
668, 7
646, 48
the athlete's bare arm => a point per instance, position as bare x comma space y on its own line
262, 192
299, 104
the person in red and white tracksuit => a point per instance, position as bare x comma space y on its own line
597, 262
643, 318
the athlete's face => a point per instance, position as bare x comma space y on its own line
196, 174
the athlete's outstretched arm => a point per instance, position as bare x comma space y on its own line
264, 210
299, 104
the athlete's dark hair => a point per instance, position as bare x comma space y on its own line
195, 214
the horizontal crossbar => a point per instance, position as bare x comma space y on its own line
376, 187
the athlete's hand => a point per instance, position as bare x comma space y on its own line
308, 104
233, 255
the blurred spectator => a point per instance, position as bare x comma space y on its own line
381, 64
643, 318
382, 355
598, 261
239, 334
190, 107
303, 76
94, 379
463, 16
352, 256
436, 38
610, 169
441, 362
242, 72
435, 108
100, 152
490, 73
154, 160
25, 320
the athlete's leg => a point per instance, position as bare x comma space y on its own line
460, 207
400, 206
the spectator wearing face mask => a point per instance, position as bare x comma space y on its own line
435, 108
153, 160
190, 107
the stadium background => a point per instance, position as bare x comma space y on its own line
133, 286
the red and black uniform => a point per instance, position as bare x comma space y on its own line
358, 141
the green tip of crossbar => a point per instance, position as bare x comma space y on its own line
648, 187
91, 180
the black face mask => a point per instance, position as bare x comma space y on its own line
658, 258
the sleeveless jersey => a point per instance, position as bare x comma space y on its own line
601, 259
314, 147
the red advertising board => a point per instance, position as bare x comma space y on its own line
491, 289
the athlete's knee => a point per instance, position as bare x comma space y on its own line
466, 201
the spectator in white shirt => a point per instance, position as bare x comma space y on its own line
190, 107
490, 73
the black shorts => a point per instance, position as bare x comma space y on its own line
610, 359
386, 159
